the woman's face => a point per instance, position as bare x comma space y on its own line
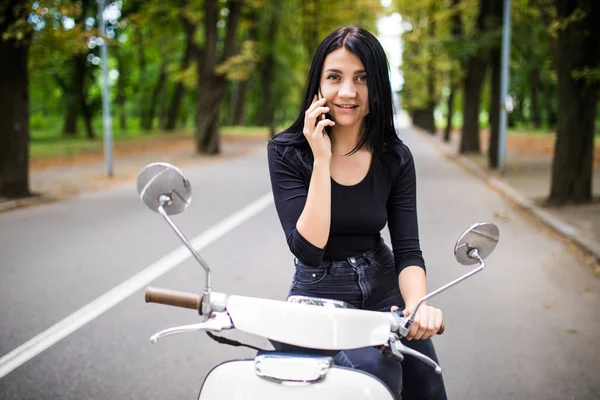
344, 85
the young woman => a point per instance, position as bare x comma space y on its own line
339, 174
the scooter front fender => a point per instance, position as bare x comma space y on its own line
238, 380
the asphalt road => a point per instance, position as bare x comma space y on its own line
526, 327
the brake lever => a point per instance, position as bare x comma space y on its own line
216, 323
399, 349
400, 326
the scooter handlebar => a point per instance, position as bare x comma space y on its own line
401, 322
174, 298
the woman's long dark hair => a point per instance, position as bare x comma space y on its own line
379, 133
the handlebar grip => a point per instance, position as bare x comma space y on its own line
402, 321
174, 298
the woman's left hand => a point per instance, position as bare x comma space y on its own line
427, 323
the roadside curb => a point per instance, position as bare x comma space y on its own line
560, 226
37, 200
93, 183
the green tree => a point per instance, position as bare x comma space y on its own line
578, 69
429, 63
241, 82
267, 67
532, 75
15, 36
454, 74
213, 83
61, 49
283, 52
495, 26
476, 67
189, 24
151, 37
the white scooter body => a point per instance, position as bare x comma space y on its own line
313, 327
279, 375
238, 380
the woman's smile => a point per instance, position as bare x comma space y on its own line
346, 107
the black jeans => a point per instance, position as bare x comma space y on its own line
370, 282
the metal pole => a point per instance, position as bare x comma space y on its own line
504, 84
106, 120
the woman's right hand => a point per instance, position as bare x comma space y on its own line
314, 131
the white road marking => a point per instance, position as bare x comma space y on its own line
79, 318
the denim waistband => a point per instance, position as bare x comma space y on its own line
368, 255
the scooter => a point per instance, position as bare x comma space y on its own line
313, 329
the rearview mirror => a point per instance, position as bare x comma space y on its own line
482, 237
162, 184
472, 247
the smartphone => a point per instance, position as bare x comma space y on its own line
320, 96
322, 116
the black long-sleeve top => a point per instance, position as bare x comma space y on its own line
359, 212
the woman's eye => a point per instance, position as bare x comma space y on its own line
361, 78
333, 77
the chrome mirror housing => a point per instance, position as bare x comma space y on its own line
479, 240
162, 185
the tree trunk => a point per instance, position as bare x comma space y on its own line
71, 98
14, 108
239, 112
76, 88
450, 116
231, 98
495, 59
456, 34
207, 112
86, 112
494, 116
469, 141
213, 86
268, 72
519, 111
240, 92
76, 99
429, 120
148, 120
536, 87
577, 43
209, 105
476, 68
81, 87
190, 49
550, 105
121, 85
71, 114
141, 86
510, 120
546, 14
162, 103
423, 118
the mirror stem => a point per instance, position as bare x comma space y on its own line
473, 254
164, 201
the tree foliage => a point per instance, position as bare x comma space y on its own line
554, 66
198, 64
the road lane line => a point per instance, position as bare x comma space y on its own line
79, 318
